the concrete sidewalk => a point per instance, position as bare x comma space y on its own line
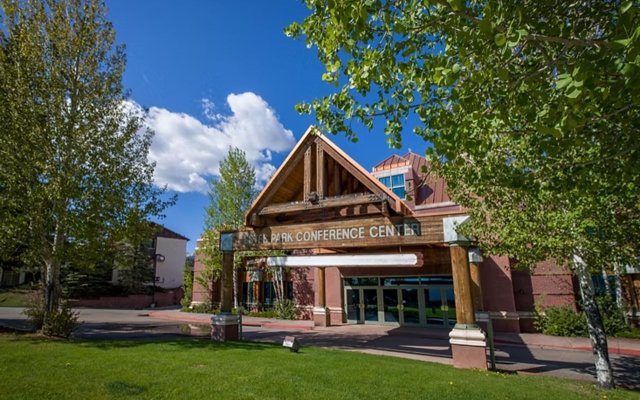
621, 346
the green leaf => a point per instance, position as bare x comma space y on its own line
485, 26
574, 93
626, 6
563, 81
500, 39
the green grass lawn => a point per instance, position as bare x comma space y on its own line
15, 297
36, 368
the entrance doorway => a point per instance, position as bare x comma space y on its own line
413, 301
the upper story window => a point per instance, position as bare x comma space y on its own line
395, 183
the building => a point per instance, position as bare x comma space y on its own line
168, 255
380, 247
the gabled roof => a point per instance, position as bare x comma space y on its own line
163, 231
393, 161
287, 185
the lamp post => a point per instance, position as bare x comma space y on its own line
156, 257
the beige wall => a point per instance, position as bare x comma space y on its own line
169, 273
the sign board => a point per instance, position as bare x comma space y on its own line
379, 231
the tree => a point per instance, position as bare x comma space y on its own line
230, 197
532, 110
74, 175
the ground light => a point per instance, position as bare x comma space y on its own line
291, 342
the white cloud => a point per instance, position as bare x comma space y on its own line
187, 152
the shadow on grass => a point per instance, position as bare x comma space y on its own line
182, 343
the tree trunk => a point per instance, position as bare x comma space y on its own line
619, 295
604, 374
607, 286
52, 275
235, 287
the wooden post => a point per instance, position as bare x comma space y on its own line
476, 287
320, 312
321, 288
468, 342
462, 285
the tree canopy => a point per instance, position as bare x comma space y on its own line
74, 174
230, 197
532, 110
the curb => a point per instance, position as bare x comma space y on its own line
207, 319
612, 350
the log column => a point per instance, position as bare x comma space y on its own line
320, 313
468, 342
224, 326
475, 258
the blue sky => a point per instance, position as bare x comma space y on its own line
219, 73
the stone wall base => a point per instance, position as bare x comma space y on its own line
468, 347
321, 316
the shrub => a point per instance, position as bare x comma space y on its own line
60, 322
35, 310
263, 314
560, 321
285, 309
564, 321
187, 297
201, 308
612, 316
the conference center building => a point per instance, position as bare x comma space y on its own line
382, 247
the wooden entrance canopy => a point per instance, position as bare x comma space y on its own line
321, 198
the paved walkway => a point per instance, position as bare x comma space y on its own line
629, 347
519, 353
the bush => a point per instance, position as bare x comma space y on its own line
35, 310
187, 297
560, 321
201, 308
285, 309
61, 322
263, 314
564, 321
612, 316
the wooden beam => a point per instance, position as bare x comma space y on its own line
320, 172
307, 174
331, 202
336, 178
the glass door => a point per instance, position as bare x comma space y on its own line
449, 302
440, 306
433, 307
390, 305
369, 305
410, 308
353, 306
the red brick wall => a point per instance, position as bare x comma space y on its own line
134, 301
497, 292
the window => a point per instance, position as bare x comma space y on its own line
395, 183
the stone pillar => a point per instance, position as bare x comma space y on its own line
321, 315
468, 342
224, 326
